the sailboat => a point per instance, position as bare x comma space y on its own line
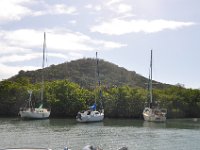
29, 111
152, 112
92, 115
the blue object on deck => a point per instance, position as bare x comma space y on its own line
93, 107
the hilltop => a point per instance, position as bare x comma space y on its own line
82, 72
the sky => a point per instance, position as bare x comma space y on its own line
121, 31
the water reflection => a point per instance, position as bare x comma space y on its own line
110, 134
154, 124
62, 122
193, 123
175, 123
123, 122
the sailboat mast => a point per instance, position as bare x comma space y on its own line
151, 97
99, 82
96, 75
43, 62
97, 60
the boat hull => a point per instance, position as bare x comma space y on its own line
91, 119
154, 118
95, 116
154, 115
35, 114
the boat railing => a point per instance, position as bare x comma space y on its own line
164, 110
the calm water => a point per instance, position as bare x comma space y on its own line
176, 134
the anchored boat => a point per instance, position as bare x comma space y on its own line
152, 112
29, 111
93, 115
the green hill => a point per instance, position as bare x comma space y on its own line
82, 72
66, 98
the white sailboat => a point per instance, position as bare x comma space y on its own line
29, 111
92, 115
153, 113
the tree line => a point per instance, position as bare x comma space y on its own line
67, 98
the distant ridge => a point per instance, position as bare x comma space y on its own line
82, 72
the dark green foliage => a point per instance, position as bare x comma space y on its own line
67, 98
82, 72
11, 94
71, 87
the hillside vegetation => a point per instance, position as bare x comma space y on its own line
70, 87
82, 72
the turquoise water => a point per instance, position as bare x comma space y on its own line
176, 134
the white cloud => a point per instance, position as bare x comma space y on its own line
119, 27
73, 21
89, 6
19, 58
5, 49
25, 38
98, 8
75, 41
9, 71
13, 9
57, 9
94, 7
74, 56
27, 57
123, 8
109, 44
60, 9
111, 2
26, 44
63, 9
119, 7
29, 38
69, 41
57, 55
113, 45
